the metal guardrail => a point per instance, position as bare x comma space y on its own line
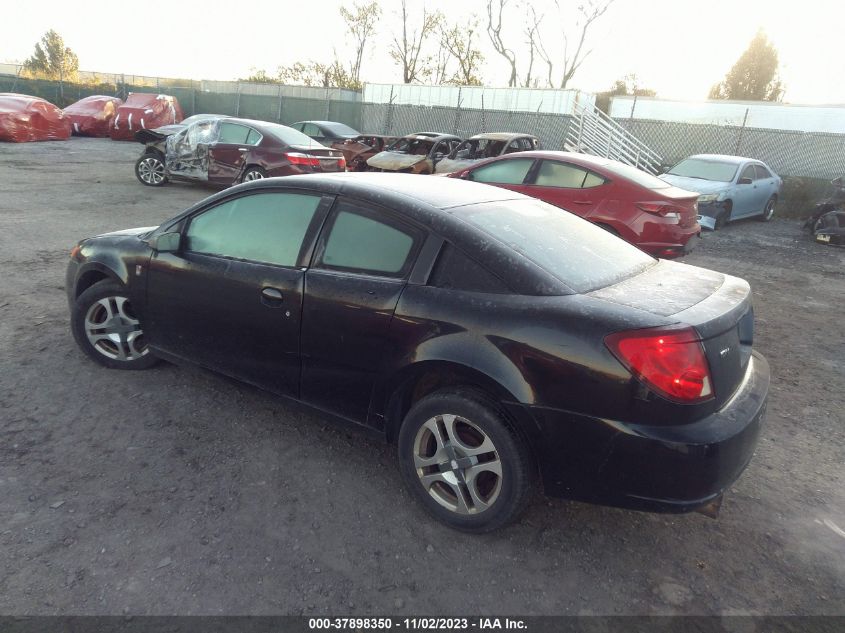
593, 132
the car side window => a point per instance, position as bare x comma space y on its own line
749, 172
262, 227
555, 174
504, 172
762, 172
232, 133
365, 240
253, 137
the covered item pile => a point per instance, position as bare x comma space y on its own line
93, 116
24, 118
143, 111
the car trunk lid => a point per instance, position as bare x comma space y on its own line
718, 306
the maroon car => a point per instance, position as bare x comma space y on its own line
225, 151
642, 209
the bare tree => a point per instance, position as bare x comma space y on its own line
589, 11
494, 31
361, 22
459, 44
407, 50
535, 43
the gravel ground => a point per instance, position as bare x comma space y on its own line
176, 491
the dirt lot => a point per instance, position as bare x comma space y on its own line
177, 491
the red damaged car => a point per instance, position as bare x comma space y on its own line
93, 116
225, 151
638, 207
24, 118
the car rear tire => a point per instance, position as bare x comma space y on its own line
150, 170
769, 210
463, 463
106, 328
254, 173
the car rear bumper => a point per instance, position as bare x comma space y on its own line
654, 468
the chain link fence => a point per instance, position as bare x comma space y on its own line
789, 153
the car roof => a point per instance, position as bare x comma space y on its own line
500, 136
724, 158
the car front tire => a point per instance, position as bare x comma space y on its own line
150, 170
463, 463
107, 329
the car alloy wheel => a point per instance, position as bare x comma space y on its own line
113, 330
254, 174
151, 170
769, 210
107, 329
457, 464
463, 461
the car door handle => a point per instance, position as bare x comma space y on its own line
582, 201
243, 149
271, 297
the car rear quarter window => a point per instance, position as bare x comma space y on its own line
366, 240
578, 253
503, 172
253, 137
454, 270
262, 227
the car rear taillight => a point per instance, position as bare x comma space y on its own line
663, 209
670, 361
297, 158
341, 164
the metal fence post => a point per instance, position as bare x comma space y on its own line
279, 113
458, 113
388, 120
328, 103
193, 98
741, 130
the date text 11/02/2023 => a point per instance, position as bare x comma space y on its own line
415, 624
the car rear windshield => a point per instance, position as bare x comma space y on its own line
290, 136
340, 128
578, 253
705, 169
638, 176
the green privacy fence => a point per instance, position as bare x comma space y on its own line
194, 100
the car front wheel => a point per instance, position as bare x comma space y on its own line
149, 169
462, 461
106, 327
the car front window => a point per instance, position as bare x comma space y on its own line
262, 227
718, 171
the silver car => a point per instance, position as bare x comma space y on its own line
731, 187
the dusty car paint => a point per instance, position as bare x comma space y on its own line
360, 347
495, 144
415, 153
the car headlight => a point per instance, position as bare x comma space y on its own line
711, 197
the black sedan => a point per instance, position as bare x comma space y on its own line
496, 339
326, 132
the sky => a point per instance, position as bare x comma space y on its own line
677, 47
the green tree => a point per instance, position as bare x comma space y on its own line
754, 76
52, 59
361, 23
459, 44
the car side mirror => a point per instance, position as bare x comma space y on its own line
744, 181
166, 242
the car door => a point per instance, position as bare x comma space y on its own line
187, 151
509, 173
230, 297
746, 196
360, 268
228, 154
766, 184
567, 186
